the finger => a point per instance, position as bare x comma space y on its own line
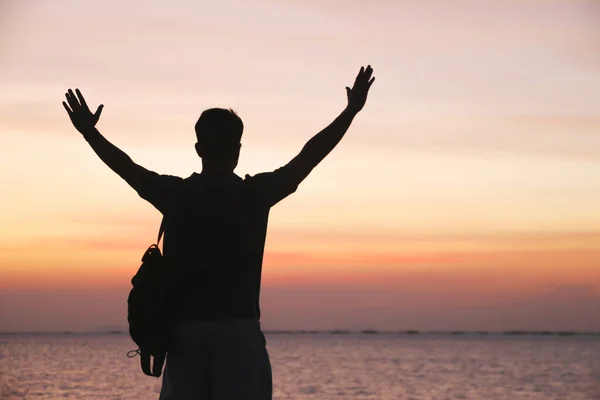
81, 99
371, 81
67, 108
368, 72
360, 73
69, 99
72, 100
98, 111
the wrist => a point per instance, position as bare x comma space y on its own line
351, 111
89, 133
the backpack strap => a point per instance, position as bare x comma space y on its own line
161, 231
159, 361
145, 362
152, 364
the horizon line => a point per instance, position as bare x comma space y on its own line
454, 332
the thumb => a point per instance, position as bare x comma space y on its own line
348, 92
99, 111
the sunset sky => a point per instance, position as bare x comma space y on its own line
466, 195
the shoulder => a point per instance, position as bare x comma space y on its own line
271, 187
153, 185
280, 174
162, 181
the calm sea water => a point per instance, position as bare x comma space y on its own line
324, 366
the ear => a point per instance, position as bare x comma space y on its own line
198, 148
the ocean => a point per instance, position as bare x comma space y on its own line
324, 366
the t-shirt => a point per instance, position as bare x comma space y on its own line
215, 230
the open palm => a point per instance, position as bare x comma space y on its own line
79, 112
357, 96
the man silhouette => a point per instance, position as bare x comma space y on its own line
215, 229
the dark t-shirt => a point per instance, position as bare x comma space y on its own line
215, 230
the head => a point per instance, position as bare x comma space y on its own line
219, 132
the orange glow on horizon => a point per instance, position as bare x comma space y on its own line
471, 176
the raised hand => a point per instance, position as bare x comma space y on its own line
79, 112
357, 96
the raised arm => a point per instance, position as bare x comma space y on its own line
85, 122
317, 148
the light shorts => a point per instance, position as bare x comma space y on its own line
218, 360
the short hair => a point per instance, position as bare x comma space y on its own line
219, 127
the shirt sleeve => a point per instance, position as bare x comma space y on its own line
272, 187
159, 190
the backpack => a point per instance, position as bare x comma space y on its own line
148, 309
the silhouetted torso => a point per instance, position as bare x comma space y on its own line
215, 235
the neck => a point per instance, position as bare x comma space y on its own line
216, 170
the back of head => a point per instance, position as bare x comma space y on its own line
219, 132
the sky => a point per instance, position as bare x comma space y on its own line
464, 196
